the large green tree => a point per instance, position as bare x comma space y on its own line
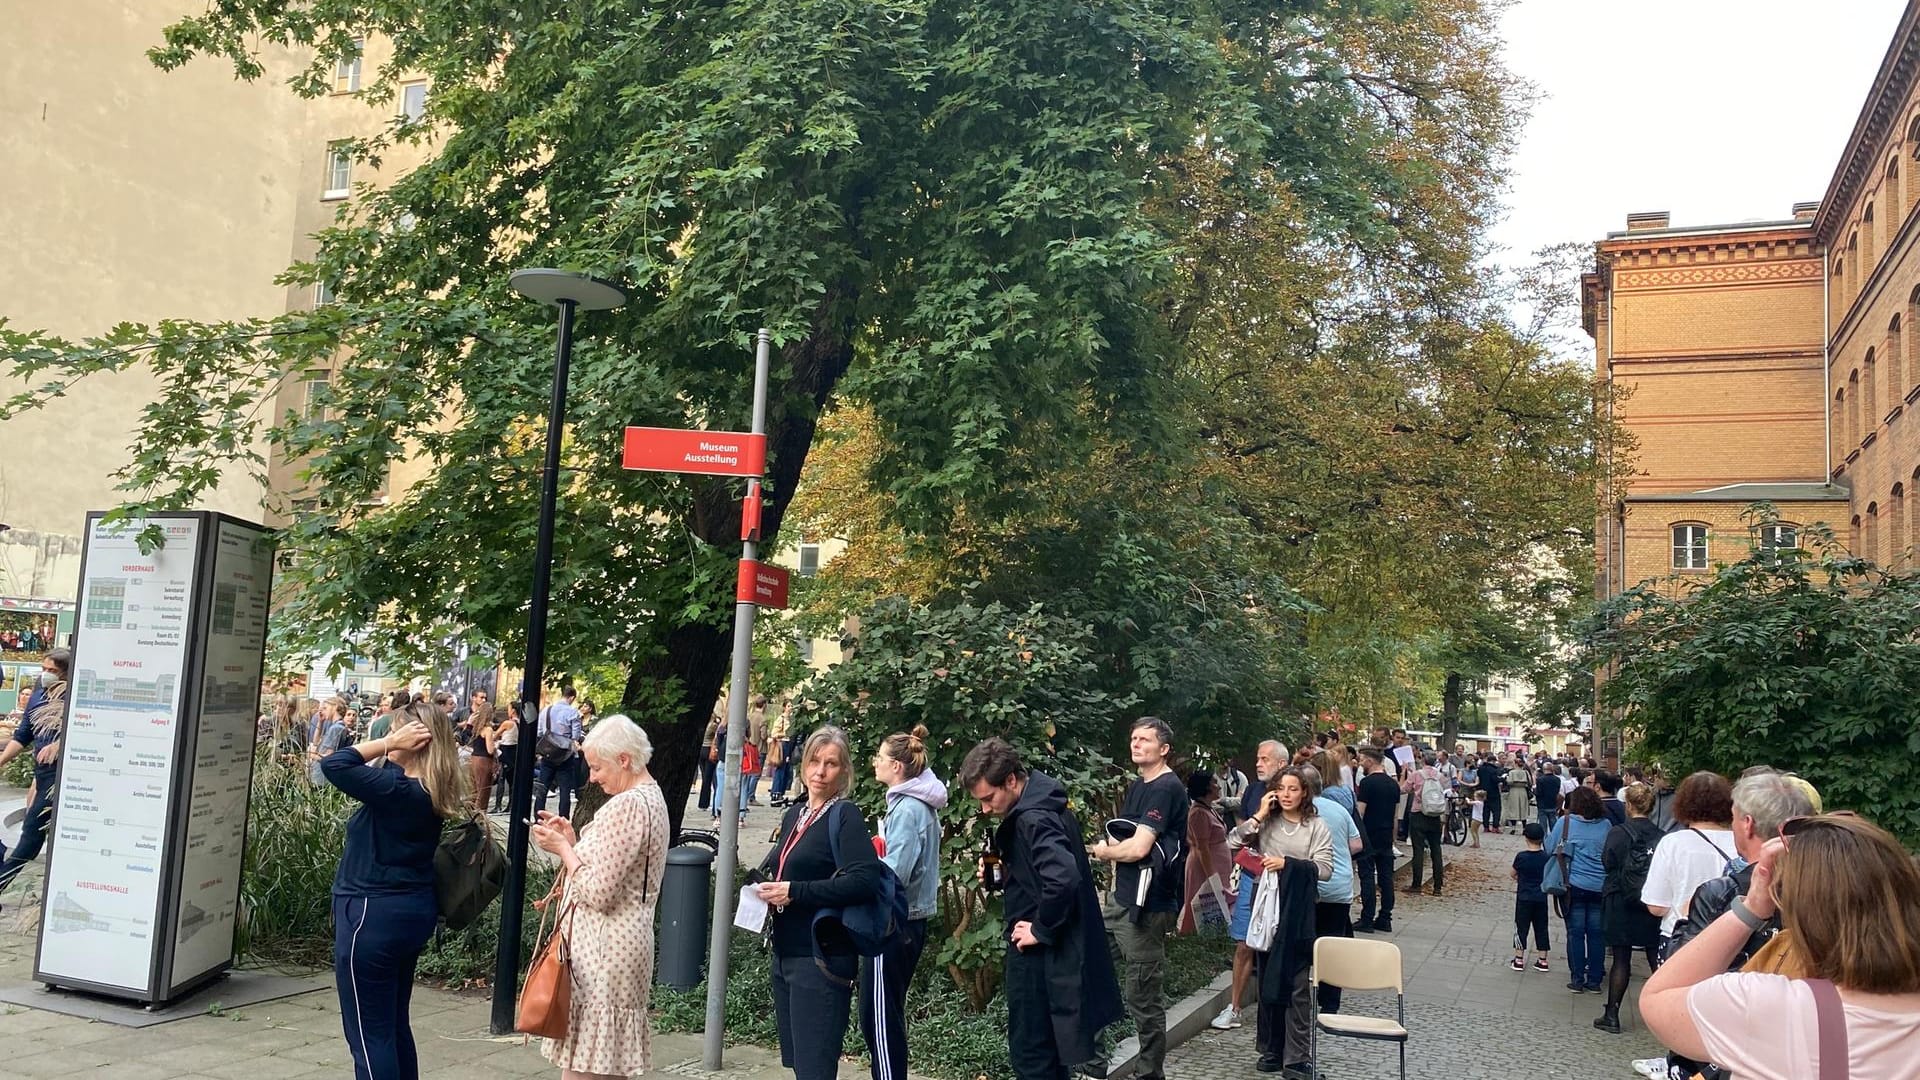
961, 215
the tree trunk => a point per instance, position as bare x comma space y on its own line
698, 656
1450, 712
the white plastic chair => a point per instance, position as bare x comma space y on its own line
1354, 964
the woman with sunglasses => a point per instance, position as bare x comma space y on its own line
1850, 895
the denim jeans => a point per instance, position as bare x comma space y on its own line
1586, 945
1547, 821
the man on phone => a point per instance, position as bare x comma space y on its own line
1058, 976
1147, 881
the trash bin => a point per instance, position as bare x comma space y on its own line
683, 917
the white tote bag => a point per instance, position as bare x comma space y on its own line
1266, 913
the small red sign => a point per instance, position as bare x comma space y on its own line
750, 514
762, 583
716, 453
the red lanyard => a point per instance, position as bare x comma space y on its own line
799, 829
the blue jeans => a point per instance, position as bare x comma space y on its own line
1547, 821
1586, 945
563, 777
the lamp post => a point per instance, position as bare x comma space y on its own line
570, 293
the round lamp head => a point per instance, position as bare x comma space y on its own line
563, 286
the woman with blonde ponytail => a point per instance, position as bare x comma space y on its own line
384, 908
911, 839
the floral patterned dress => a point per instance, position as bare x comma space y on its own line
623, 853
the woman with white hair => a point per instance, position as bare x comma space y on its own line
610, 882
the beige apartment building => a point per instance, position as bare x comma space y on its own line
133, 195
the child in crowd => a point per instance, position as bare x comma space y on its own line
1477, 818
1529, 903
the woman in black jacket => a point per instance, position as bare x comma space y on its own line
813, 980
384, 908
1625, 921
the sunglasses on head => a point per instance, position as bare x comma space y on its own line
1794, 825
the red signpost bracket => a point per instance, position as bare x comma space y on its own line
750, 515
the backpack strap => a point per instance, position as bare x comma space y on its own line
1724, 857
1832, 1018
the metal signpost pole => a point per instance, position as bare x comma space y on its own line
568, 292
743, 613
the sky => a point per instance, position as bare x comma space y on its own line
1715, 110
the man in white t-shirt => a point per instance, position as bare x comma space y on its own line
1684, 860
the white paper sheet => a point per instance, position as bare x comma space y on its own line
751, 913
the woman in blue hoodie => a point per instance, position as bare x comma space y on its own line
911, 838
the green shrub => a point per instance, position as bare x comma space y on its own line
18, 772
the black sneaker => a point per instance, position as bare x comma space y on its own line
1269, 1065
1383, 924
1363, 928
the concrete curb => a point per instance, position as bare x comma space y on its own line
1185, 1018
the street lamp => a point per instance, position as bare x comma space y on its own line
569, 292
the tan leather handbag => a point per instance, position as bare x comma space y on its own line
546, 1000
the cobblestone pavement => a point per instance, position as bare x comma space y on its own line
1471, 1016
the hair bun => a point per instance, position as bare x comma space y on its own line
920, 732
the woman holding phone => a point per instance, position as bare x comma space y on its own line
384, 907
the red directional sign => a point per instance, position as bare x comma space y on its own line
763, 584
717, 453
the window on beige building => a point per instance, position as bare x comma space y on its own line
1897, 526
1689, 547
322, 294
809, 559
1853, 412
1896, 370
1867, 228
1777, 537
1896, 203
346, 70
413, 102
1870, 533
1913, 187
1869, 384
317, 381
1837, 423
339, 171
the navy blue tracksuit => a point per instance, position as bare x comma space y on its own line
384, 911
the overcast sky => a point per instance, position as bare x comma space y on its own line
1716, 110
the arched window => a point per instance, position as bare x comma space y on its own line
1912, 193
1853, 267
1912, 325
1869, 406
1856, 534
1896, 200
1913, 513
1870, 538
1896, 369
1689, 546
1853, 412
1837, 424
1897, 526
1839, 289
1867, 231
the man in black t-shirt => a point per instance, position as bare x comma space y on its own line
1148, 878
1376, 797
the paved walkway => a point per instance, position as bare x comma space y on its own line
1471, 1016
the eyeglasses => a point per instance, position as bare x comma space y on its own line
1793, 826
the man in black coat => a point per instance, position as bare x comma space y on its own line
1060, 985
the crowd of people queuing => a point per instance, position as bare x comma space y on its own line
1703, 879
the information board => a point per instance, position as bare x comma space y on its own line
240, 569
151, 737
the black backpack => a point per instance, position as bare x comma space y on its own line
469, 870
1640, 845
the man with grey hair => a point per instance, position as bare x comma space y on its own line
1762, 802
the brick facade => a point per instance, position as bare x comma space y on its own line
1774, 359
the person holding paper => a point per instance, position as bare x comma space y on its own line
824, 859
1147, 879
612, 870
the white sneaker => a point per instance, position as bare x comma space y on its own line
1398, 854
1228, 1019
1651, 1068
